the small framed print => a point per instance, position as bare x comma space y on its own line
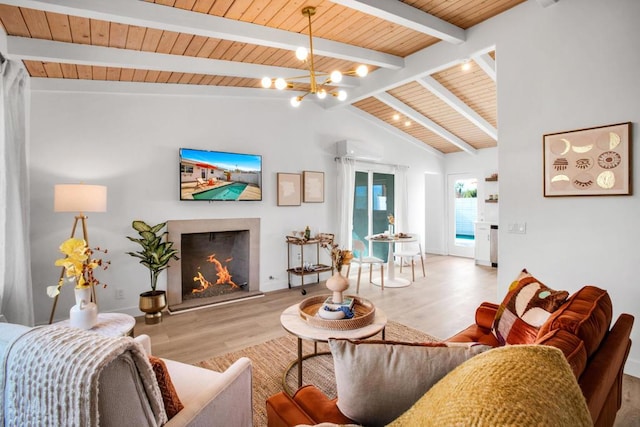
289, 185
588, 162
313, 184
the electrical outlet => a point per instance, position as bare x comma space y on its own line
299, 256
119, 293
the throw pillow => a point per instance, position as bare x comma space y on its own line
527, 305
172, 403
377, 381
520, 385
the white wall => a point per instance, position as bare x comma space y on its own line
569, 66
3, 41
130, 143
435, 214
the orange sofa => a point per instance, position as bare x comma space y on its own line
580, 328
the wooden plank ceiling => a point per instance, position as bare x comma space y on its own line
234, 43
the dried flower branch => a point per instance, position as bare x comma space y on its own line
339, 257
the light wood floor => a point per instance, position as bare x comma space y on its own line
441, 304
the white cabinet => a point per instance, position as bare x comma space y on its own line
483, 243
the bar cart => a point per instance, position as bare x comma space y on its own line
312, 265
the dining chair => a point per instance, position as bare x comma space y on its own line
410, 251
359, 248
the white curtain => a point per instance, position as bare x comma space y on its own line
401, 199
16, 295
346, 188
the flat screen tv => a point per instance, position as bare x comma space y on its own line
217, 175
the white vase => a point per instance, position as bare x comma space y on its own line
84, 314
337, 284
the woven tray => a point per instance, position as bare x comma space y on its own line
364, 312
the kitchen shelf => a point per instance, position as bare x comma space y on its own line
492, 178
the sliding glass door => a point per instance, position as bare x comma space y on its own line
373, 202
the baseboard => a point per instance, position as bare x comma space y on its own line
131, 311
434, 251
632, 367
271, 286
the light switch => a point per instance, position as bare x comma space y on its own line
517, 227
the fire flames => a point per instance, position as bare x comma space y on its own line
224, 277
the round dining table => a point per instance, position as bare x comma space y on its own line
390, 279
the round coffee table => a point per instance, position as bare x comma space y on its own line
297, 326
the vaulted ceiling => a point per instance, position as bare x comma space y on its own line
225, 47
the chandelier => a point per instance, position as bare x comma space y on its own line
315, 87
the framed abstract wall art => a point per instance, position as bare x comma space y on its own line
588, 162
289, 185
313, 183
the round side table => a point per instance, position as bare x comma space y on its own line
111, 324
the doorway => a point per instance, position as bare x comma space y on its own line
462, 192
373, 202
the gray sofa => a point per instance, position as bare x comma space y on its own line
220, 398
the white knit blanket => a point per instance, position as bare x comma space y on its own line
51, 377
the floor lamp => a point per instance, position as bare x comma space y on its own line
78, 198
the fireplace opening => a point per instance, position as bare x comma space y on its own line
219, 262
214, 264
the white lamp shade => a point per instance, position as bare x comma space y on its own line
79, 198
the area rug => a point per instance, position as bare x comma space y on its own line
271, 358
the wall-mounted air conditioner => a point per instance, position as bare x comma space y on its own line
359, 150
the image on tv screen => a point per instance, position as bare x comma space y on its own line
217, 175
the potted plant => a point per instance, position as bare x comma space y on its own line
155, 254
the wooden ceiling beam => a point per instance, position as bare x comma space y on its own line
394, 131
487, 64
425, 62
417, 117
29, 49
433, 86
409, 17
103, 86
150, 15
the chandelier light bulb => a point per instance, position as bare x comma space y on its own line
322, 94
342, 95
281, 83
362, 71
295, 101
266, 82
301, 53
396, 117
336, 76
